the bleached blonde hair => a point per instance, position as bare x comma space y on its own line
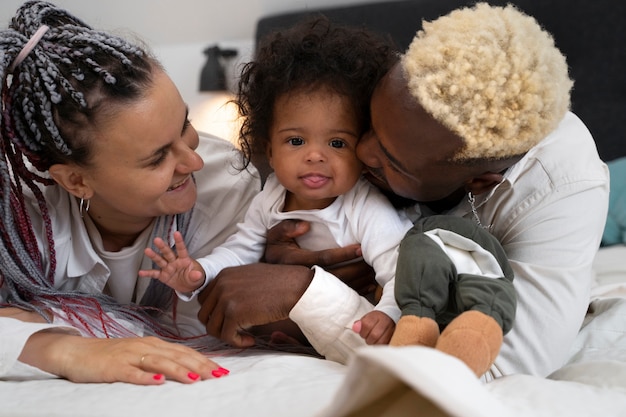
491, 75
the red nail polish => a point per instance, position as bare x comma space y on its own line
220, 372
193, 376
157, 377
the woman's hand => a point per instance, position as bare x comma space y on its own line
139, 360
281, 248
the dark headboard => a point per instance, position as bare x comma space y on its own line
591, 33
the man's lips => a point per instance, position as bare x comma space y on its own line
376, 178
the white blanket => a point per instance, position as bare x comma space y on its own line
379, 381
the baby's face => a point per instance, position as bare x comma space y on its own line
313, 147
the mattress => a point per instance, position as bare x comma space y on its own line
378, 380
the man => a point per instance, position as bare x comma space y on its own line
472, 121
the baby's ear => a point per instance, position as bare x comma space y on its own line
71, 178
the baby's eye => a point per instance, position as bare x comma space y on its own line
337, 143
296, 141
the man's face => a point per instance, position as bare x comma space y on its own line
407, 151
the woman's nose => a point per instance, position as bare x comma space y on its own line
189, 160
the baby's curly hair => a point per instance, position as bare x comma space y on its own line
492, 76
315, 53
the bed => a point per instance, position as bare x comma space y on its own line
378, 381
386, 381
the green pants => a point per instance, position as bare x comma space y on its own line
429, 285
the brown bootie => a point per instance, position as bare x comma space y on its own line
473, 337
413, 330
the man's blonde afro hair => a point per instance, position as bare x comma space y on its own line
492, 76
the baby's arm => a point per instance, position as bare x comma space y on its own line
178, 270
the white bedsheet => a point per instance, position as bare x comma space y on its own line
379, 381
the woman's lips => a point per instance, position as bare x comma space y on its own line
179, 184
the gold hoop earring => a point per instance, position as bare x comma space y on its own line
84, 206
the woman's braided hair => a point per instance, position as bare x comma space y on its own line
52, 102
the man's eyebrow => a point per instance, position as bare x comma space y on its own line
391, 157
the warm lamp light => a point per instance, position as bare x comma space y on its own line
217, 115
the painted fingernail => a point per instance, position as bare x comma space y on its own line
219, 372
193, 376
158, 377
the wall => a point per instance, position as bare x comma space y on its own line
179, 31
178, 21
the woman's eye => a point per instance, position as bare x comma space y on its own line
337, 143
159, 159
296, 141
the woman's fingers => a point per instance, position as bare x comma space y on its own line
176, 362
139, 360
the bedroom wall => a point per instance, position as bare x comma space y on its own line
179, 30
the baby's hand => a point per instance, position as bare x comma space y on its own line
375, 327
179, 272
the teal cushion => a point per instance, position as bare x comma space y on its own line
615, 229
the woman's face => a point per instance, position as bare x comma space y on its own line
143, 158
313, 147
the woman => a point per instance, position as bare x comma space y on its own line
98, 159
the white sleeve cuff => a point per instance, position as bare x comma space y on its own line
325, 314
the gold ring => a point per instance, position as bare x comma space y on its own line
141, 360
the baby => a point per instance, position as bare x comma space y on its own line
305, 101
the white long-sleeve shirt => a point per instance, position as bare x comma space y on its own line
549, 214
362, 215
223, 198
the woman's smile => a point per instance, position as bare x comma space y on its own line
180, 184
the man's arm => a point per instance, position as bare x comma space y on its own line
257, 294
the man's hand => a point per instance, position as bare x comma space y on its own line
282, 248
250, 295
